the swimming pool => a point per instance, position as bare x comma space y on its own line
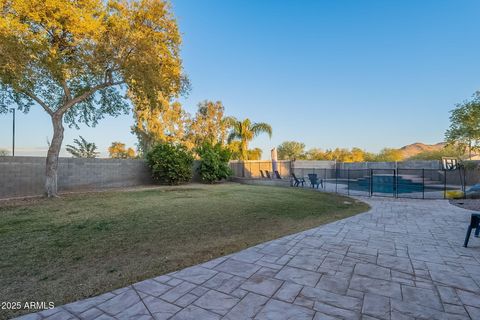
384, 183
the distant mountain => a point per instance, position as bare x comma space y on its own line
418, 147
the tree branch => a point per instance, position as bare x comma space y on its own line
85, 95
66, 90
39, 101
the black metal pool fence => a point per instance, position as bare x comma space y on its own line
396, 183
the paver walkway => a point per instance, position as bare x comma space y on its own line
401, 260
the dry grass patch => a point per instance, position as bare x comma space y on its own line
82, 245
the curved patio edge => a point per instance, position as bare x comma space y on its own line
401, 259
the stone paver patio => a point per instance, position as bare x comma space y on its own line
401, 260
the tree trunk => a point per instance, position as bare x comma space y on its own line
244, 150
52, 156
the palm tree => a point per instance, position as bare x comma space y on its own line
84, 149
245, 131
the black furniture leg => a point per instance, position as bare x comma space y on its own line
467, 237
474, 223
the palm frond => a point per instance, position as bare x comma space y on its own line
230, 121
232, 136
261, 127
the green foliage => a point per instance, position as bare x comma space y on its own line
254, 154
118, 150
83, 149
214, 164
290, 150
170, 163
341, 155
244, 131
4, 153
71, 57
464, 130
236, 153
389, 155
315, 154
209, 124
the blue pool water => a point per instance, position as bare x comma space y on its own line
386, 184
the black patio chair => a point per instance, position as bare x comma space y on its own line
474, 224
314, 180
297, 181
277, 174
268, 174
263, 175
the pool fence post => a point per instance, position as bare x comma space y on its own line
395, 181
324, 184
370, 185
348, 181
336, 179
445, 184
423, 183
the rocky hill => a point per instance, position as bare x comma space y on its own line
418, 147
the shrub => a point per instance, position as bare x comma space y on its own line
170, 163
214, 164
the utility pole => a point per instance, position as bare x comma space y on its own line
12, 110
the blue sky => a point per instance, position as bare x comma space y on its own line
328, 73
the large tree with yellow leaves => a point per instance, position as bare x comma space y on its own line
80, 60
152, 126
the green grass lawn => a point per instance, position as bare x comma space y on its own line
82, 245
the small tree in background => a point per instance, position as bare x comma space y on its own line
356, 155
209, 124
254, 154
290, 150
337, 154
170, 163
4, 153
464, 130
389, 155
245, 131
315, 154
341, 155
214, 162
83, 149
118, 150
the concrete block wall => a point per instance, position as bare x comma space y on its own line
313, 164
251, 168
25, 176
302, 168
